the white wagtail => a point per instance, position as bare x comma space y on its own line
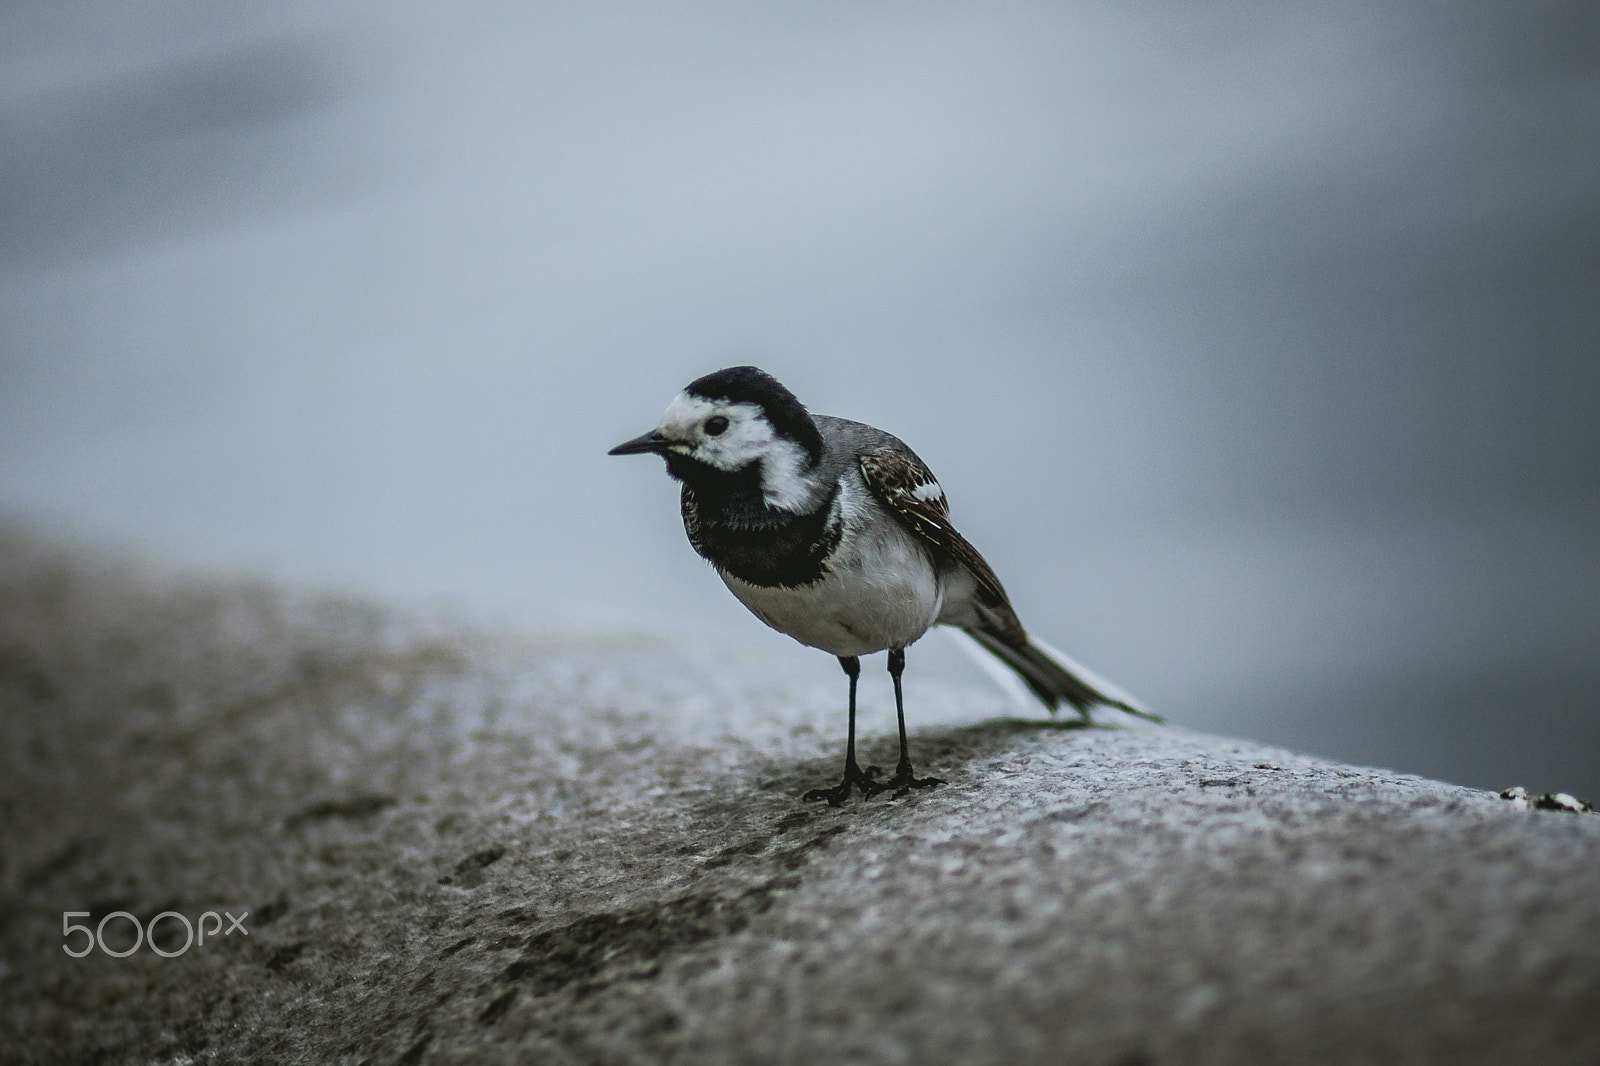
837, 534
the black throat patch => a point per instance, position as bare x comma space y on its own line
730, 524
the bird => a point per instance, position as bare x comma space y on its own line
837, 534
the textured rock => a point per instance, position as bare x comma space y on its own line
467, 846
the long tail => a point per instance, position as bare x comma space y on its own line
1055, 678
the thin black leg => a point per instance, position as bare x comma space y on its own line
903, 779
853, 774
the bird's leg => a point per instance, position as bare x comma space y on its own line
903, 779
853, 774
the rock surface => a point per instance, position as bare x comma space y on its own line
459, 845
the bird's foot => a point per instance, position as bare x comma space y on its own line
903, 781
854, 777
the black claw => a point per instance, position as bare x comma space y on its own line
835, 796
904, 781
854, 777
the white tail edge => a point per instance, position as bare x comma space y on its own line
1002, 675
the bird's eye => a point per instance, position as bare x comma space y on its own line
715, 425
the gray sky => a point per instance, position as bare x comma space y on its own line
1254, 345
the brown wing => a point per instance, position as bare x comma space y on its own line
911, 492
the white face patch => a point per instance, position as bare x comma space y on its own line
748, 437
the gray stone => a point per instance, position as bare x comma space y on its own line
461, 844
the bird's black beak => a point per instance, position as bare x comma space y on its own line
650, 442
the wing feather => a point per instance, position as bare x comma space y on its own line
905, 485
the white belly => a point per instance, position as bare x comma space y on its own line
882, 593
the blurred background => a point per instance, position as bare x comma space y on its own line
1257, 346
